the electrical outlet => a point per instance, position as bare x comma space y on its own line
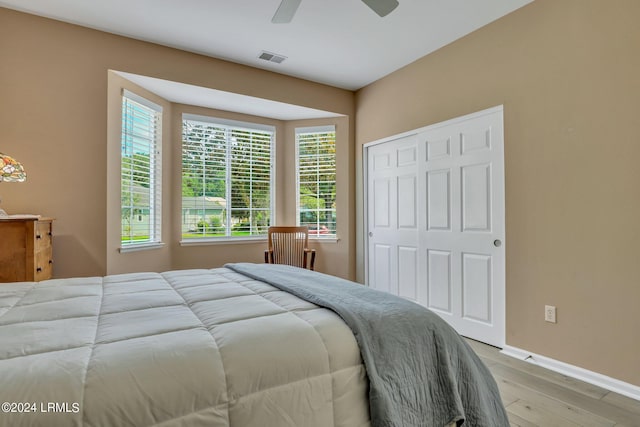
550, 313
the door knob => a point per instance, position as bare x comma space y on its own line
497, 243
371, 234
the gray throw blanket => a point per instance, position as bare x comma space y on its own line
421, 372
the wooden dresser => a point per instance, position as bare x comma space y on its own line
26, 248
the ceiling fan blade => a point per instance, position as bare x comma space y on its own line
285, 11
382, 7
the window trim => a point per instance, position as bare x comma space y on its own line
140, 247
239, 125
155, 191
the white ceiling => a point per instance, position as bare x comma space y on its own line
341, 43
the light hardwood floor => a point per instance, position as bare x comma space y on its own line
535, 396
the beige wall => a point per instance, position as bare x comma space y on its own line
54, 93
567, 74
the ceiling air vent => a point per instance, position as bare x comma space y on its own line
272, 57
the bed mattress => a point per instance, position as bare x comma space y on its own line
193, 347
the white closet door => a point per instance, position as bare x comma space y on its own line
393, 217
436, 221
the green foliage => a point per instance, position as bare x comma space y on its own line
216, 224
136, 166
213, 226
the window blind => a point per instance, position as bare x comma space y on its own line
227, 178
140, 171
316, 180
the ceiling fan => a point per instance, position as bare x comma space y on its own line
288, 8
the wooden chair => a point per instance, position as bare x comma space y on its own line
288, 245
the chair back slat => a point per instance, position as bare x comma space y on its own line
287, 245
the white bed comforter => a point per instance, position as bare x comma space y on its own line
192, 347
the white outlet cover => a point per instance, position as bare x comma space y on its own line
550, 313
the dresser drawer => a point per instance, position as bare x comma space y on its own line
43, 235
43, 264
13, 251
26, 248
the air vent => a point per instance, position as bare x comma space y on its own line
272, 57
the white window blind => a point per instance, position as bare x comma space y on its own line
227, 178
140, 171
316, 180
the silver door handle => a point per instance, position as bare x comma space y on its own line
371, 234
497, 243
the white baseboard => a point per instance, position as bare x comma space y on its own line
621, 387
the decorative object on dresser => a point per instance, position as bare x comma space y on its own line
26, 248
11, 170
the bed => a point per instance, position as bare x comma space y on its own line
242, 345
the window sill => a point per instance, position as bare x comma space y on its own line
140, 247
246, 240
324, 239
224, 241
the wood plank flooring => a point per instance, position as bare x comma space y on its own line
535, 396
